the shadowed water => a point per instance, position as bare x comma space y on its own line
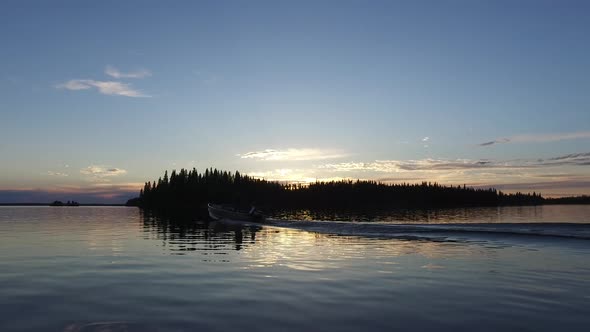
501, 214
116, 269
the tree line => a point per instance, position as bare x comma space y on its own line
190, 189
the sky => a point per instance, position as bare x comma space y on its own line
97, 98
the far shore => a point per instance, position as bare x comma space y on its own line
49, 204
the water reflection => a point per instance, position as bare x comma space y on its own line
266, 246
184, 273
393, 216
502, 214
182, 233
108, 327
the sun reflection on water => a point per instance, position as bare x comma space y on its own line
141, 270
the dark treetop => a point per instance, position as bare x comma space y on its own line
190, 189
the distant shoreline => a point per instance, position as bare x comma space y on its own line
49, 204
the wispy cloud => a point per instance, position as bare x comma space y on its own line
113, 88
114, 72
401, 179
293, 154
539, 138
102, 171
573, 156
541, 185
302, 176
52, 173
498, 141
104, 87
576, 159
390, 166
284, 174
426, 139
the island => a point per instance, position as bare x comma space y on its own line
68, 203
190, 189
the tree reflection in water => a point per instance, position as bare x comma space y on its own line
183, 232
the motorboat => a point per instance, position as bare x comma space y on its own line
228, 212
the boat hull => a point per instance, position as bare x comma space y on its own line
219, 212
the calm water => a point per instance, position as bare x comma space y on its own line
116, 269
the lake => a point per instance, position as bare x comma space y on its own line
103, 269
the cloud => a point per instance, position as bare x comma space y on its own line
575, 159
76, 85
292, 154
426, 139
102, 171
540, 138
114, 72
487, 143
51, 173
104, 87
546, 185
572, 156
286, 175
401, 179
390, 166
498, 141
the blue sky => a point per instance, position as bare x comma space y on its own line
98, 97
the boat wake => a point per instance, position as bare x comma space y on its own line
446, 231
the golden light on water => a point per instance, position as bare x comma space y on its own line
310, 251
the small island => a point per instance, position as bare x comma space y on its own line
68, 203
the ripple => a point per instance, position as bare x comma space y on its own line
118, 270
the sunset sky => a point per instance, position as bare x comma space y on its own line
98, 97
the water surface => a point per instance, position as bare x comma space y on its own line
115, 269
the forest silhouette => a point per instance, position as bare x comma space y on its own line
189, 189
